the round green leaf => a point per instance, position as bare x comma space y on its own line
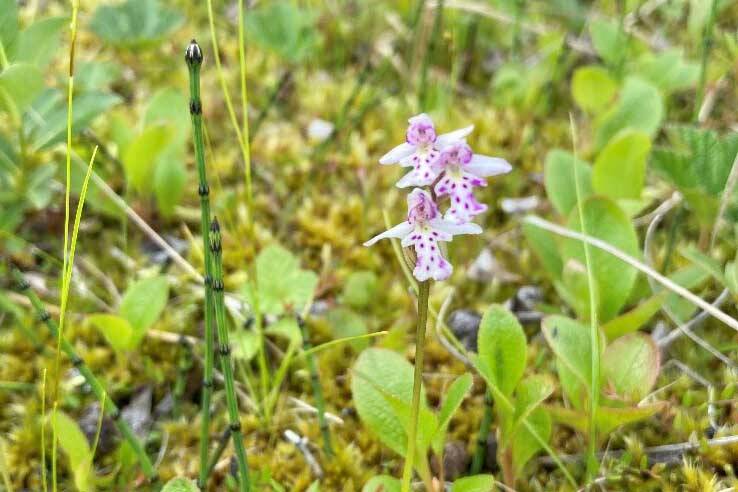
639, 107
143, 303
620, 169
475, 483
592, 88
559, 171
614, 280
117, 331
180, 485
502, 349
382, 483
631, 365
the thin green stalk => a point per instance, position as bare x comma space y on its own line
480, 453
193, 57
243, 143
423, 92
594, 335
706, 47
407, 472
97, 388
67, 208
317, 388
224, 351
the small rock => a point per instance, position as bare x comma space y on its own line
108, 433
519, 205
464, 324
456, 460
319, 130
138, 412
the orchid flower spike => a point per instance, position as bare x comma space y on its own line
422, 150
423, 230
461, 172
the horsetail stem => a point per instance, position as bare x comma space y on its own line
480, 453
193, 57
97, 388
224, 351
317, 389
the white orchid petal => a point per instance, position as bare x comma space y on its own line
410, 179
444, 225
400, 231
448, 138
484, 165
400, 152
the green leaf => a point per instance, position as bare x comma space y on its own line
48, 125
639, 107
39, 188
454, 396
169, 107
690, 278
134, 23
608, 418
180, 485
38, 43
20, 83
731, 277
592, 88
346, 323
609, 42
143, 303
545, 246
502, 348
382, 483
631, 365
283, 28
380, 368
360, 289
170, 177
525, 445
570, 341
282, 284
475, 483
117, 331
559, 170
287, 329
614, 279
140, 156
75, 446
635, 318
709, 265
96, 75
620, 169
668, 70
8, 22
245, 344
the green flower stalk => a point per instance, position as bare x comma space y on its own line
224, 351
317, 388
193, 57
97, 388
412, 434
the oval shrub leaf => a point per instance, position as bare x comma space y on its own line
630, 366
502, 348
620, 169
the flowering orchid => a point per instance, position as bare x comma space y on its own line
423, 230
461, 172
422, 150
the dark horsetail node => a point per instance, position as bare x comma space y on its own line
193, 54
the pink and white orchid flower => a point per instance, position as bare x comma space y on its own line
423, 230
422, 150
462, 171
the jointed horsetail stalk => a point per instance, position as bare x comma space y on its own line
193, 57
480, 453
225, 436
224, 351
317, 389
97, 388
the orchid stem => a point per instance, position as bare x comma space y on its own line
407, 472
193, 57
